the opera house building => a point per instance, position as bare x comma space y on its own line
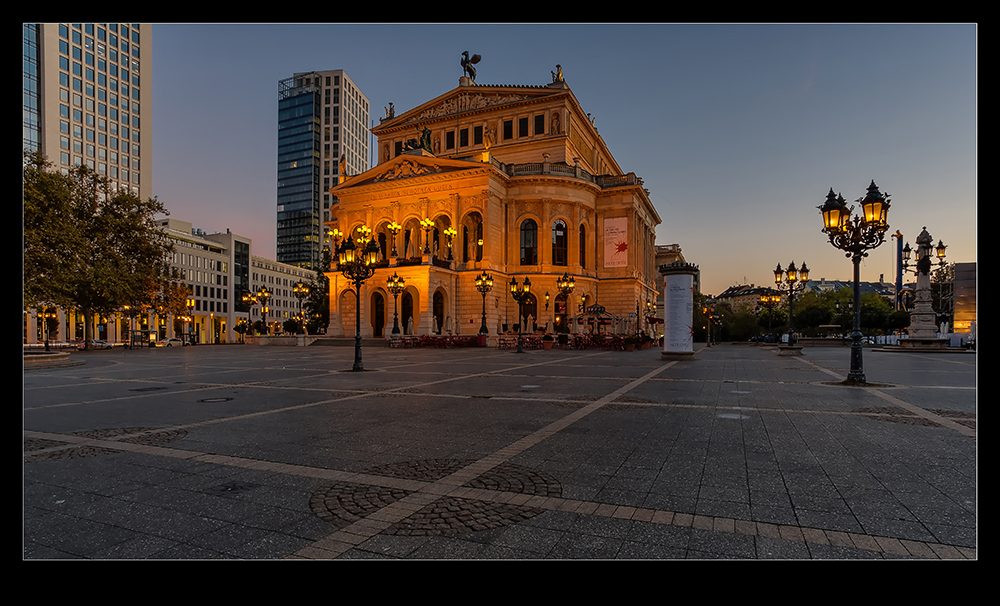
511, 181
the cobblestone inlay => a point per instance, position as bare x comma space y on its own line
345, 503
50, 450
451, 516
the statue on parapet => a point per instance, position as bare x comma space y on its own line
468, 63
424, 142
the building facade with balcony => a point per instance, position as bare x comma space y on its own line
514, 181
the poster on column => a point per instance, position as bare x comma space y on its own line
678, 299
616, 242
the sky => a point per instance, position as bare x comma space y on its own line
737, 130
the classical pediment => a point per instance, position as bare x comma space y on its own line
467, 99
405, 167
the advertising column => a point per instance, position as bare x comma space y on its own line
678, 310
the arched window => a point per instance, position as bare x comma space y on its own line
529, 242
583, 246
559, 243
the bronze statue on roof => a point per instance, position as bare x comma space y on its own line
467, 64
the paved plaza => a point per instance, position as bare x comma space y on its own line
252, 452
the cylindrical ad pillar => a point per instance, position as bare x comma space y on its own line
678, 310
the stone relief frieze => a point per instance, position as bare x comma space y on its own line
405, 170
467, 102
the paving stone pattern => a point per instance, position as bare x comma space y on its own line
244, 452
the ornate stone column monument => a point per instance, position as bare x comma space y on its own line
923, 331
678, 310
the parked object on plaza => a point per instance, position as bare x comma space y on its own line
96, 344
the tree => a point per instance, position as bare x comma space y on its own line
316, 306
90, 246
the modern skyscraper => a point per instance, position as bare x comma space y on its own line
87, 90
322, 117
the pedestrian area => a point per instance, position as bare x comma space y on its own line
283, 453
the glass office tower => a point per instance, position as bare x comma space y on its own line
321, 117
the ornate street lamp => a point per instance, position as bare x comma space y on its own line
190, 318
263, 296
357, 265
249, 299
856, 237
520, 293
396, 286
451, 233
565, 285
427, 224
484, 284
792, 276
47, 316
301, 291
769, 302
394, 228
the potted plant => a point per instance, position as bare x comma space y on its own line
547, 341
630, 343
563, 339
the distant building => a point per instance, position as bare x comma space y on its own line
744, 297
322, 117
965, 296
86, 98
217, 269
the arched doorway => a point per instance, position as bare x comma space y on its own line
378, 314
438, 312
406, 313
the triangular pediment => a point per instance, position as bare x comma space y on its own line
467, 99
407, 166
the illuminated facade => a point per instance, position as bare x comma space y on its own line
511, 180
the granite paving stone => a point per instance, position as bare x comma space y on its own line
270, 453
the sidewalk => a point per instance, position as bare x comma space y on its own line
283, 453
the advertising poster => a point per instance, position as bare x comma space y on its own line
678, 313
615, 242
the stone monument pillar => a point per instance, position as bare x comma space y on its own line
678, 310
923, 329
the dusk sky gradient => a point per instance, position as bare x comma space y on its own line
738, 131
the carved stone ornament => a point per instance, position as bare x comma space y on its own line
405, 170
467, 102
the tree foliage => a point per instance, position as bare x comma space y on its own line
92, 247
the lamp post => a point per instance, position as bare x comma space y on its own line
249, 299
484, 284
396, 286
520, 293
47, 316
451, 232
709, 311
394, 228
301, 291
263, 296
791, 276
357, 265
856, 237
427, 224
565, 285
769, 302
